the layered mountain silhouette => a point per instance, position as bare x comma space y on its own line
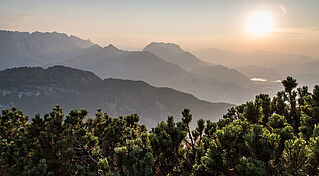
37, 48
307, 72
164, 50
159, 64
222, 73
111, 62
37, 90
253, 71
261, 58
296, 68
175, 54
269, 65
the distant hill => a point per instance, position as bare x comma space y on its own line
37, 90
270, 65
307, 79
37, 48
160, 64
305, 67
111, 62
222, 73
305, 71
175, 54
253, 71
164, 50
261, 58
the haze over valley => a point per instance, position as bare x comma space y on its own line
159, 88
221, 76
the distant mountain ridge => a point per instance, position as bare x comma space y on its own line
37, 48
269, 65
111, 62
164, 50
175, 54
37, 90
262, 58
159, 64
253, 71
215, 72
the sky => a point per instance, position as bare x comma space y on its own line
193, 24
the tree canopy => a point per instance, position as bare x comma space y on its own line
268, 136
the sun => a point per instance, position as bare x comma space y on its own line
260, 23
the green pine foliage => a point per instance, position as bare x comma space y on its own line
268, 136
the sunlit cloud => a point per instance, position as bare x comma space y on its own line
296, 30
283, 9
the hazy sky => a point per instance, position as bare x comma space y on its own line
193, 24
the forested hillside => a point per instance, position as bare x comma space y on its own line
37, 90
267, 136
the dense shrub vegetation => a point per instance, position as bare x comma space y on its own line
278, 136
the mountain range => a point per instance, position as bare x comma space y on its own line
37, 48
268, 65
37, 90
254, 71
159, 64
214, 76
175, 54
219, 84
230, 58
